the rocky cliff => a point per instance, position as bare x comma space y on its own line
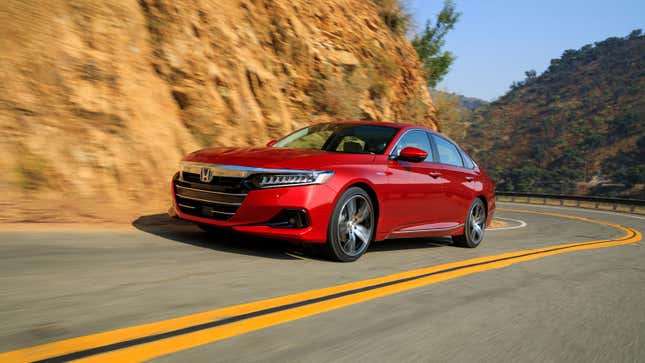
100, 99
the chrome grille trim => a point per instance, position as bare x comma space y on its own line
235, 171
225, 213
219, 199
213, 192
186, 206
206, 200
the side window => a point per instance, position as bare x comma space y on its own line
416, 138
448, 152
468, 162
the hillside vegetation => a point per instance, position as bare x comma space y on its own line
454, 110
575, 128
99, 100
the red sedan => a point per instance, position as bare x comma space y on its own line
339, 184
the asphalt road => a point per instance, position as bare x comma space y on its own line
577, 306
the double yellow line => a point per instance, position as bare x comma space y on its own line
144, 342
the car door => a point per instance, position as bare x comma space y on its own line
414, 194
460, 183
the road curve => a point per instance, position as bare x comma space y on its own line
544, 288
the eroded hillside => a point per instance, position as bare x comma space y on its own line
576, 128
100, 99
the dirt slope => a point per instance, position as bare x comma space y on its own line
100, 99
576, 128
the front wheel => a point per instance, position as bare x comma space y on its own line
474, 226
351, 228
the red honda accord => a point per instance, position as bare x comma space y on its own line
343, 185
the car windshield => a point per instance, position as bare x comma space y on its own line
345, 138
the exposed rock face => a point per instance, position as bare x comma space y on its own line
99, 100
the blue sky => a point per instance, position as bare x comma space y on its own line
495, 41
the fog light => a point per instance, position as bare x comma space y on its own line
290, 218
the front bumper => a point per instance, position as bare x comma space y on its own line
262, 205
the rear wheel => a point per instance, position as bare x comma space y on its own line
351, 228
474, 226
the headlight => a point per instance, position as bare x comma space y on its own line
291, 179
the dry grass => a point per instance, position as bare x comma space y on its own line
338, 96
30, 170
394, 15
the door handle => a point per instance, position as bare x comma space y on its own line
434, 174
470, 178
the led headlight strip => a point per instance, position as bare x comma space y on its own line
271, 180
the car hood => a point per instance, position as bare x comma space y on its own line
272, 157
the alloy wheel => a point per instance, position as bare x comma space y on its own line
355, 225
476, 222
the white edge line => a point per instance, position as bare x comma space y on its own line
521, 224
295, 256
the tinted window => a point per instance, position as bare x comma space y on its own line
418, 139
468, 162
448, 152
346, 138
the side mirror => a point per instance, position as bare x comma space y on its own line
271, 143
412, 154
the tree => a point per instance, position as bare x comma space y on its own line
429, 44
635, 34
530, 75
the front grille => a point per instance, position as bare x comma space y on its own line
223, 183
219, 199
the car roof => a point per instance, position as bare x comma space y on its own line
398, 125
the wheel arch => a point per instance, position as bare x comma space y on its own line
373, 198
483, 198
485, 201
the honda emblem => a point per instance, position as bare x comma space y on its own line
206, 175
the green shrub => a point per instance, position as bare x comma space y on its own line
394, 16
337, 96
30, 169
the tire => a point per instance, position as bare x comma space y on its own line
474, 227
351, 226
